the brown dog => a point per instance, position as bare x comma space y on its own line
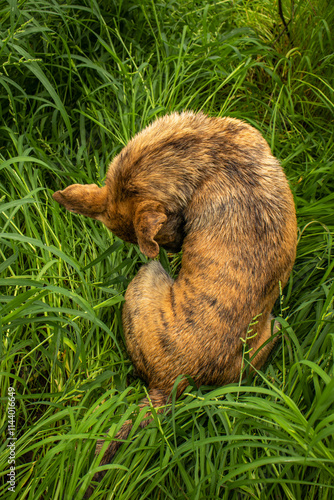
212, 186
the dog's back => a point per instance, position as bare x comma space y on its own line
240, 242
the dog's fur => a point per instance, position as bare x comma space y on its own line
212, 186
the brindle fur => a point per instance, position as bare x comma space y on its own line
212, 186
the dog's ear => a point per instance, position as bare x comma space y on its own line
149, 218
89, 199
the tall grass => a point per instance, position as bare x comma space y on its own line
77, 81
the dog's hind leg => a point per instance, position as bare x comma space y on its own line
149, 323
156, 398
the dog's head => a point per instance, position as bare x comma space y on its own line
145, 222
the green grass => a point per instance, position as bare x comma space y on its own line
77, 81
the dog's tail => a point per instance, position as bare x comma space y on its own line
156, 398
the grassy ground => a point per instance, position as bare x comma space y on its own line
77, 81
